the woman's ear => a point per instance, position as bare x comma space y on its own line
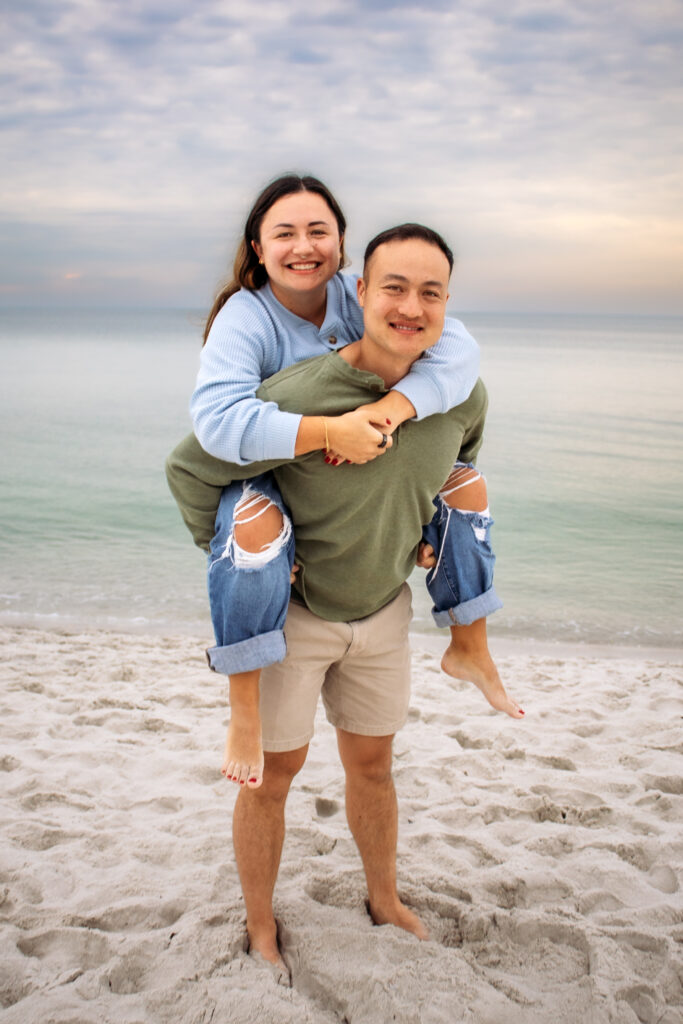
258, 250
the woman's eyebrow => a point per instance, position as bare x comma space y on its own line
311, 224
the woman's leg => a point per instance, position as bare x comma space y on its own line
249, 582
460, 582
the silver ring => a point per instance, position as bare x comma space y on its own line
383, 442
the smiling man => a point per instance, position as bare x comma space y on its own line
357, 531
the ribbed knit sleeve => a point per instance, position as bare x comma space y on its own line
444, 375
229, 421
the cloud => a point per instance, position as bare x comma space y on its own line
500, 122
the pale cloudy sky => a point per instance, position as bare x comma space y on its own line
542, 138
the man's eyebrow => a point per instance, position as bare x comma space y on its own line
400, 277
311, 224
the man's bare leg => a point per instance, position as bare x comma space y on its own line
372, 813
468, 656
258, 831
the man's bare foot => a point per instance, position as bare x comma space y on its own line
263, 945
243, 756
399, 915
481, 671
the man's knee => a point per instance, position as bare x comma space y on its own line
279, 770
366, 757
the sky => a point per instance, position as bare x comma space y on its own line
543, 139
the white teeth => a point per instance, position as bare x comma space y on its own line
404, 327
303, 266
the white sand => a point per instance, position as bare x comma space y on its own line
544, 855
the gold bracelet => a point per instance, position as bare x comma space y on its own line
327, 440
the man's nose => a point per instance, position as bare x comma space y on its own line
410, 305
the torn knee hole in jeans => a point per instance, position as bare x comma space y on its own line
253, 499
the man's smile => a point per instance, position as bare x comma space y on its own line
405, 328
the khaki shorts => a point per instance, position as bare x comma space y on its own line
362, 669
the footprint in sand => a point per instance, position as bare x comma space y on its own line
133, 917
663, 877
67, 947
325, 808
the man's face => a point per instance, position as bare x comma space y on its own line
403, 295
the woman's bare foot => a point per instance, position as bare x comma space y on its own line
243, 756
479, 668
399, 915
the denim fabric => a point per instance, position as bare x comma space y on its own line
461, 583
248, 605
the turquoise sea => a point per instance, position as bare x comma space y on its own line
583, 457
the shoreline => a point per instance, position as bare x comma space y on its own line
432, 643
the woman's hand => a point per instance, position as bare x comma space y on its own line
355, 437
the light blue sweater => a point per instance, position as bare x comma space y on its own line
254, 336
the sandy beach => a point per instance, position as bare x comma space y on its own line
545, 856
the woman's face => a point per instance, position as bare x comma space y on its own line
299, 245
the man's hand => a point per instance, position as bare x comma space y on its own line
354, 437
426, 557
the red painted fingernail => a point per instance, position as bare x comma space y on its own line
326, 459
334, 462
388, 423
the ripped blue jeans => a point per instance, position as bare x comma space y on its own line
249, 594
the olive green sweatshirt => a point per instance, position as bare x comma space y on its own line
357, 527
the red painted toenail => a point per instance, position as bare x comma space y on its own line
252, 780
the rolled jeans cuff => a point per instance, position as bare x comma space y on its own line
469, 611
247, 655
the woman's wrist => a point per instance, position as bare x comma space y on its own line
312, 435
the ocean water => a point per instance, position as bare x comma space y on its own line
583, 457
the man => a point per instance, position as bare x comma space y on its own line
357, 531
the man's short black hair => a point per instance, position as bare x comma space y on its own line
404, 232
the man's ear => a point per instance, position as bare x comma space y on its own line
360, 290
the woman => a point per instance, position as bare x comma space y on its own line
288, 302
